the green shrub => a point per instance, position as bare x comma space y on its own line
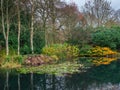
18, 59
14, 58
11, 52
25, 49
8, 59
85, 50
107, 37
11, 57
62, 51
2, 53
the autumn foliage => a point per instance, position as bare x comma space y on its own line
98, 51
102, 51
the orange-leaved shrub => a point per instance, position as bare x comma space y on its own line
102, 51
97, 51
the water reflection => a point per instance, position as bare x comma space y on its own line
6, 86
18, 81
104, 77
104, 61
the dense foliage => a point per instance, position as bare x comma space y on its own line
107, 37
25, 42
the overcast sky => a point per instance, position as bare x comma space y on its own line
114, 3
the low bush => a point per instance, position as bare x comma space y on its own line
11, 57
102, 51
11, 65
62, 51
85, 50
12, 61
4, 58
96, 51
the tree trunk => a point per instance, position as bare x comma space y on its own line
7, 35
45, 33
53, 22
32, 28
19, 28
46, 42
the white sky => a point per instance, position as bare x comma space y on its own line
114, 3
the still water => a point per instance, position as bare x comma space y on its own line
103, 77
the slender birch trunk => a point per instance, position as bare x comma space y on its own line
18, 81
19, 24
6, 34
32, 27
6, 87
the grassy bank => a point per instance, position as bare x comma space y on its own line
58, 59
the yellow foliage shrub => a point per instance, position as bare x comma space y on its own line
62, 51
102, 51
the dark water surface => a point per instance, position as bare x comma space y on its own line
104, 77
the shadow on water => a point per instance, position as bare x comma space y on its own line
103, 77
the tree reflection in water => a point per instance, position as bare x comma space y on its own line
104, 77
6, 86
18, 81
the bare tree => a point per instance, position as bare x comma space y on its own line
47, 17
42, 16
69, 18
53, 19
117, 15
97, 12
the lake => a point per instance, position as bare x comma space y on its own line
102, 77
